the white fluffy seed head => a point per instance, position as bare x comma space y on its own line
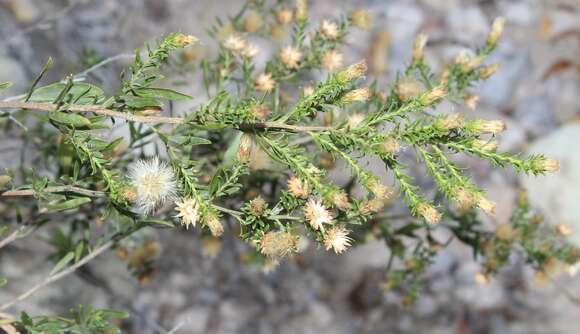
154, 182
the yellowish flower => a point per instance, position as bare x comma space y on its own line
264, 82
187, 211
316, 214
337, 239
331, 60
298, 188
290, 56
329, 30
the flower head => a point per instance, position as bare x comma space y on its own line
260, 111
188, 211
546, 165
331, 60
257, 206
357, 95
250, 51
290, 56
471, 101
154, 182
264, 82
496, 30
361, 18
418, 48
352, 72
390, 146
215, 226
354, 120
298, 188
488, 71
301, 10
485, 205
329, 29
278, 244
563, 230
337, 239
235, 43
317, 214
408, 88
486, 145
284, 16
493, 127
340, 200
185, 40
252, 22
429, 213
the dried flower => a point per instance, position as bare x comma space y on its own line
332, 60
301, 10
245, 148
485, 205
429, 213
419, 46
486, 145
493, 127
563, 230
264, 82
434, 95
290, 56
185, 40
505, 232
352, 72
546, 165
357, 95
298, 188
307, 91
465, 199
467, 62
329, 30
340, 200
361, 18
154, 182
378, 189
408, 88
354, 120
444, 77
390, 146
471, 101
488, 71
257, 206
337, 239
129, 194
496, 30
215, 226
317, 214
252, 22
277, 244
284, 16
450, 122
373, 206
260, 111
235, 43
188, 211
259, 159
250, 51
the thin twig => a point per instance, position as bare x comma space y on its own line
11, 237
99, 110
63, 273
103, 63
57, 189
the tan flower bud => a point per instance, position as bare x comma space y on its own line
465, 199
260, 111
563, 230
352, 72
485, 205
434, 95
245, 148
277, 244
450, 122
301, 10
429, 213
418, 47
444, 77
390, 146
331, 60
290, 56
329, 30
361, 18
357, 95
546, 165
307, 91
337, 239
354, 120
408, 88
252, 22
185, 40
298, 188
483, 126
215, 226
250, 51
340, 200
496, 30
284, 16
505, 232
379, 190
129, 194
471, 101
264, 82
235, 43
257, 206
488, 71
486, 145
373, 206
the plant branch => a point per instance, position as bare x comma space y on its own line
57, 189
99, 110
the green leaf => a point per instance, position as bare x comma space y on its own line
62, 263
4, 85
73, 119
138, 102
163, 93
83, 93
70, 204
113, 314
79, 250
158, 223
3, 281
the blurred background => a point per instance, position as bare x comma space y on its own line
203, 286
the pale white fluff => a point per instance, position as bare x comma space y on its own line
154, 182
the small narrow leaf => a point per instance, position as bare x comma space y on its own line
5, 85
72, 119
62, 263
70, 204
163, 93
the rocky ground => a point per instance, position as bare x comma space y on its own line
536, 92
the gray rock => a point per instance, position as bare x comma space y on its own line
535, 114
